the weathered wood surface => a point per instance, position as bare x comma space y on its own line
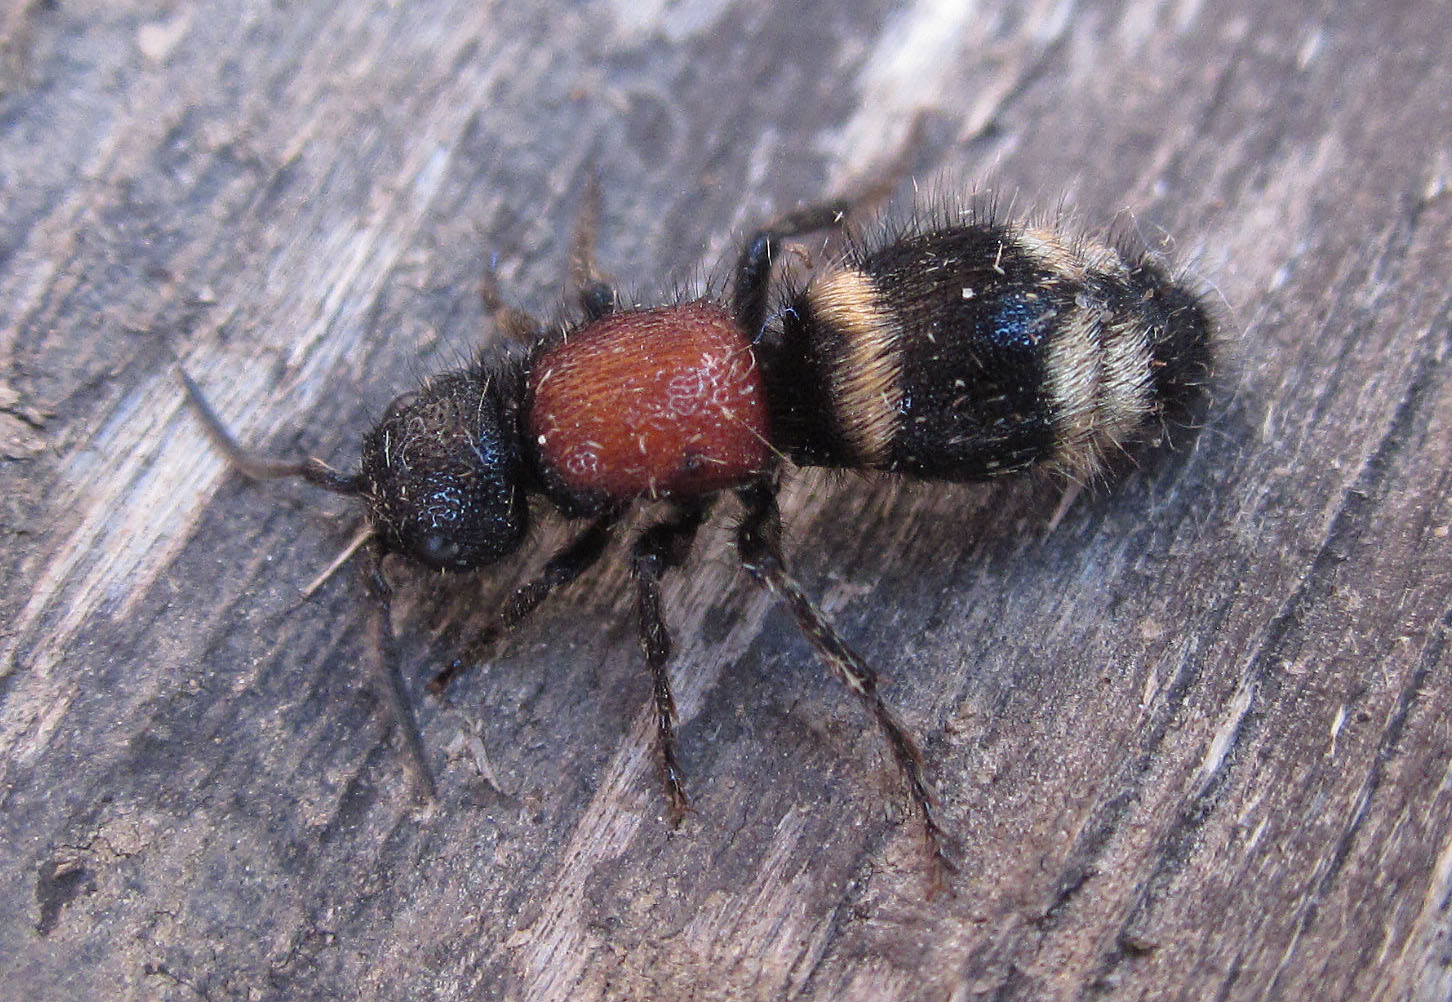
1192, 740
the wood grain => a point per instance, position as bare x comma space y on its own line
1193, 739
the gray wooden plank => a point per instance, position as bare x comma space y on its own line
1191, 739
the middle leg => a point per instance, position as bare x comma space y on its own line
658, 549
755, 264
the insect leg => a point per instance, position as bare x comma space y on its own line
389, 676
512, 322
658, 549
758, 542
754, 266
577, 556
595, 295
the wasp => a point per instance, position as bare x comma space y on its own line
964, 349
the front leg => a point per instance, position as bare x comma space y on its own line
594, 294
388, 675
658, 549
578, 556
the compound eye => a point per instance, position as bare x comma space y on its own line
438, 550
455, 522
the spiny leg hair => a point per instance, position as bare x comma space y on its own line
758, 542
660, 548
